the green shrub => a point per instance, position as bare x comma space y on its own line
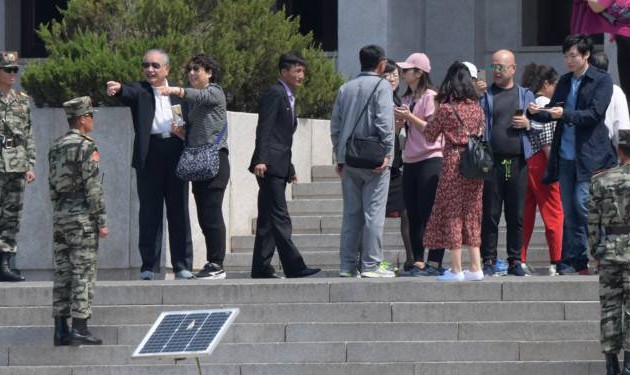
104, 40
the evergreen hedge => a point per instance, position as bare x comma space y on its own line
97, 41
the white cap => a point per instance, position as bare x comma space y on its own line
471, 68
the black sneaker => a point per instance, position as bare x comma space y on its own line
488, 267
211, 271
516, 269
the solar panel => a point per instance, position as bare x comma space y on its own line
181, 334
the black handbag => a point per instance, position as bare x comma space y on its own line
200, 163
476, 160
365, 152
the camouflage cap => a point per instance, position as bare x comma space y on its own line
78, 107
624, 137
8, 58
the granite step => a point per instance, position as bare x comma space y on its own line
581, 367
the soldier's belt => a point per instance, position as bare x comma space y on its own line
72, 195
10, 142
618, 230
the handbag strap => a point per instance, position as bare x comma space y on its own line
365, 107
220, 135
459, 119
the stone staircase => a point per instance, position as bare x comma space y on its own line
316, 210
329, 326
326, 325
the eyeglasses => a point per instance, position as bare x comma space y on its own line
499, 67
196, 68
11, 69
154, 65
90, 115
390, 75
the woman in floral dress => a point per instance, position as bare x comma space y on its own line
456, 216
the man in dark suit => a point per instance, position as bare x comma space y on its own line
271, 163
156, 152
581, 146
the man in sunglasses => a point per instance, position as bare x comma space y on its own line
504, 103
17, 160
156, 152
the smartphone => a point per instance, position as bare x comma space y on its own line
556, 104
481, 75
518, 112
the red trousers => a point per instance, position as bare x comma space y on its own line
547, 198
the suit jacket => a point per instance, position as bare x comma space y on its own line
140, 98
274, 133
594, 150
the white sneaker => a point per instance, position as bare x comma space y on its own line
552, 270
473, 276
378, 272
451, 276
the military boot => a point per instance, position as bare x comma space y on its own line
5, 269
626, 363
62, 332
80, 334
612, 364
12, 264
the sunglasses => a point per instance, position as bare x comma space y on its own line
499, 67
154, 65
196, 68
11, 69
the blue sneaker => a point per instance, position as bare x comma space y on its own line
501, 267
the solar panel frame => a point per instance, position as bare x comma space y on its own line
186, 334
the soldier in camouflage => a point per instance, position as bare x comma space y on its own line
609, 241
17, 160
78, 221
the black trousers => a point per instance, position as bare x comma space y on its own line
273, 230
157, 185
420, 181
209, 202
623, 56
506, 184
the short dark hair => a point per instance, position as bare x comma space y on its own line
457, 84
370, 56
583, 43
208, 63
289, 59
535, 76
599, 60
625, 149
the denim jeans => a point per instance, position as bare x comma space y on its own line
574, 195
364, 201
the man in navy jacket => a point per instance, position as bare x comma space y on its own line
581, 146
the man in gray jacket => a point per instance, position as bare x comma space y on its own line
367, 103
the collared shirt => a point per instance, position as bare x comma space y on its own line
291, 97
163, 114
567, 148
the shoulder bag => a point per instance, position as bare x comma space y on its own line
476, 160
200, 163
365, 152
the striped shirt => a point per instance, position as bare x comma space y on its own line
207, 115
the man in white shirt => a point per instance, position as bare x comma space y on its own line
156, 152
617, 117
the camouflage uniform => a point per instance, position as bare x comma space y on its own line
609, 242
17, 156
78, 213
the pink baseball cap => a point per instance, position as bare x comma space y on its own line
416, 60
